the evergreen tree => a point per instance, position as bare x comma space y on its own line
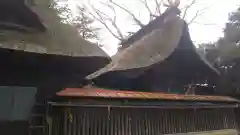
228, 52
232, 30
227, 47
229, 44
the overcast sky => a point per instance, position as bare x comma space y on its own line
207, 28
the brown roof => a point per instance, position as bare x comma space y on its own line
102, 93
156, 47
150, 27
151, 49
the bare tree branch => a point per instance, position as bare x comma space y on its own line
130, 13
146, 5
102, 17
187, 7
158, 6
110, 21
151, 15
198, 13
114, 20
113, 9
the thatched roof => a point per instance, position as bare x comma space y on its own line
171, 37
150, 27
58, 52
147, 50
17, 15
59, 38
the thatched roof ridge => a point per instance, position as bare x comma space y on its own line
154, 48
150, 27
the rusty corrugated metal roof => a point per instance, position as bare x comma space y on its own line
102, 93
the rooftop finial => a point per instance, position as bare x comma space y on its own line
172, 3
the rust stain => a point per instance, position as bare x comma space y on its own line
94, 92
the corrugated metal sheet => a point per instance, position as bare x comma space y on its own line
102, 93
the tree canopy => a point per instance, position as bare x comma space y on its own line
227, 47
224, 53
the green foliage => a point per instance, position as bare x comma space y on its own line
227, 47
235, 16
210, 51
229, 44
224, 50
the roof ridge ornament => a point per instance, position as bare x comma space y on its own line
172, 10
172, 3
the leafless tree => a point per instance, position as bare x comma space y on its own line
110, 22
104, 18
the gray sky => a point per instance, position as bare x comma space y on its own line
207, 28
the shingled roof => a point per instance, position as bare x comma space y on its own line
170, 37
